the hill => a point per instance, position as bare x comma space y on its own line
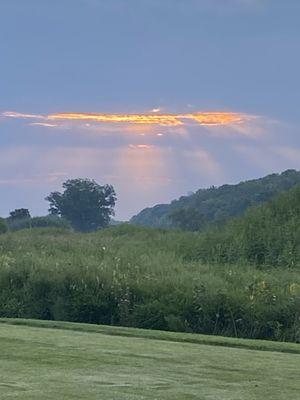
216, 205
267, 235
46, 360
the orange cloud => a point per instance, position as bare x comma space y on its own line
217, 118
201, 118
150, 119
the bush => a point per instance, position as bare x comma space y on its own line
39, 222
3, 226
50, 221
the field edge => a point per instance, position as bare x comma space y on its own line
210, 340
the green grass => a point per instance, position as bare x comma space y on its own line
52, 360
144, 278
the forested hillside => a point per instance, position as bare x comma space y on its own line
266, 235
215, 206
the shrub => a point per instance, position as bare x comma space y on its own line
50, 221
39, 222
3, 226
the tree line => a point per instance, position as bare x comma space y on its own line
215, 206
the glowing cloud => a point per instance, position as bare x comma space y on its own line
149, 119
154, 118
201, 118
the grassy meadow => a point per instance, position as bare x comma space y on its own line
46, 360
144, 278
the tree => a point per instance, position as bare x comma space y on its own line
188, 219
19, 213
84, 203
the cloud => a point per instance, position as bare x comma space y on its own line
127, 127
47, 125
14, 114
155, 118
140, 146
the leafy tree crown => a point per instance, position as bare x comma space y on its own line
84, 203
19, 213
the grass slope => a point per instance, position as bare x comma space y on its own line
40, 361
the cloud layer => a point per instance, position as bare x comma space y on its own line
211, 118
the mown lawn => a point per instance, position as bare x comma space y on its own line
85, 362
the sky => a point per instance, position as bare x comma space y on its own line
157, 97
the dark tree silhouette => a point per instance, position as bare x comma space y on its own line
19, 213
84, 203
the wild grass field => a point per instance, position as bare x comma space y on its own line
145, 278
52, 360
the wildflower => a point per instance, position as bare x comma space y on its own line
263, 285
294, 288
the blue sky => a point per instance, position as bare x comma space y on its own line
133, 56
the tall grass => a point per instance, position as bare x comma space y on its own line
143, 278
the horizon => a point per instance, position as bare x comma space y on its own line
158, 100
